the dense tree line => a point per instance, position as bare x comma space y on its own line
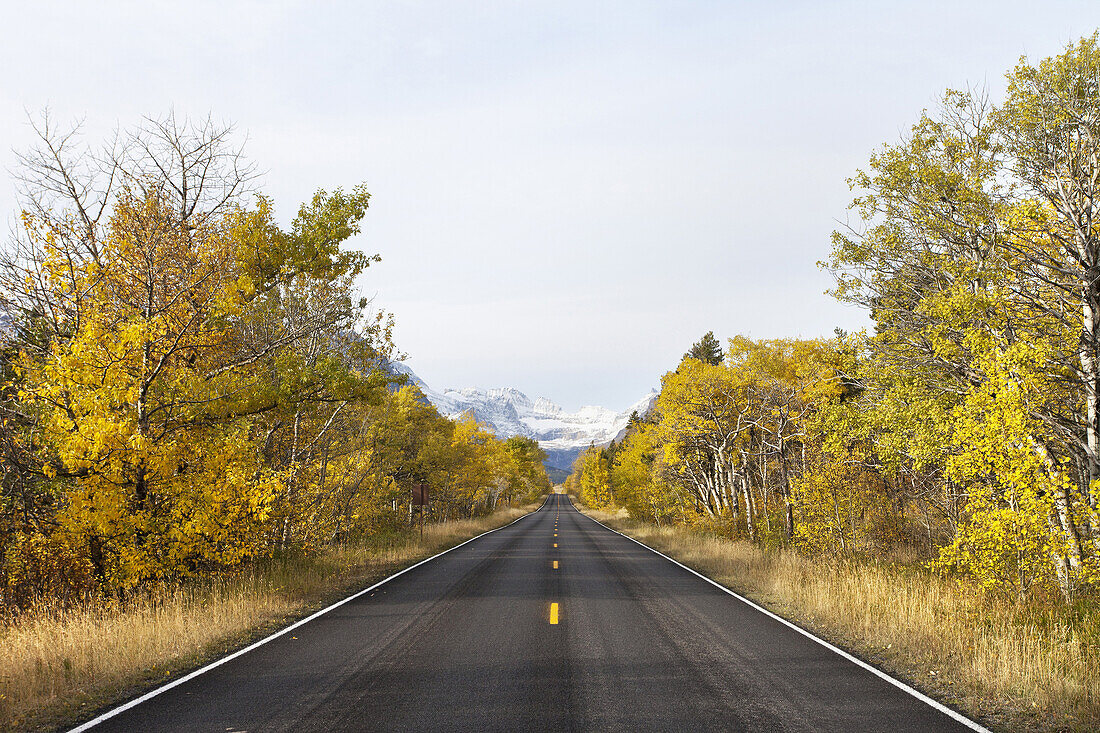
967, 422
188, 385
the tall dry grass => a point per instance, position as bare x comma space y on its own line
1015, 667
56, 664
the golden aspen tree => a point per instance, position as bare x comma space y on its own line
593, 480
979, 247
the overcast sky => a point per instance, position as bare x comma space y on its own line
566, 195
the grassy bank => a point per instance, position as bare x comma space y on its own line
57, 666
1013, 667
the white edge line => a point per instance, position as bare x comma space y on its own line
219, 662
855, 660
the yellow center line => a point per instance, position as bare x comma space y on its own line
555, 565
553, 614
555, 544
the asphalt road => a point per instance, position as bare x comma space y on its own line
470, 641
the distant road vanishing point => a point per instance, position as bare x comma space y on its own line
553, 623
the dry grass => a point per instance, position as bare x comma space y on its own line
57, 665
1015, 668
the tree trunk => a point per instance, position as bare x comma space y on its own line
750, 509
788, 523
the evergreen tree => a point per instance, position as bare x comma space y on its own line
706, 350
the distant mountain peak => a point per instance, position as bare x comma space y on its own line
546, 406
508, 411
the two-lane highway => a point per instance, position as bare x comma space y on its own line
552, 623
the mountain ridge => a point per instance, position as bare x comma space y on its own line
509, 412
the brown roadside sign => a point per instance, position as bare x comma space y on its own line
420, 494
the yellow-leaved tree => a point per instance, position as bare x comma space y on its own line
593, 480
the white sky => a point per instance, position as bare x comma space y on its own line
566, 194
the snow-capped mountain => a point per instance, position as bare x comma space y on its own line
563, 435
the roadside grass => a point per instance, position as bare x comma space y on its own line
57, 666
1013, 667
